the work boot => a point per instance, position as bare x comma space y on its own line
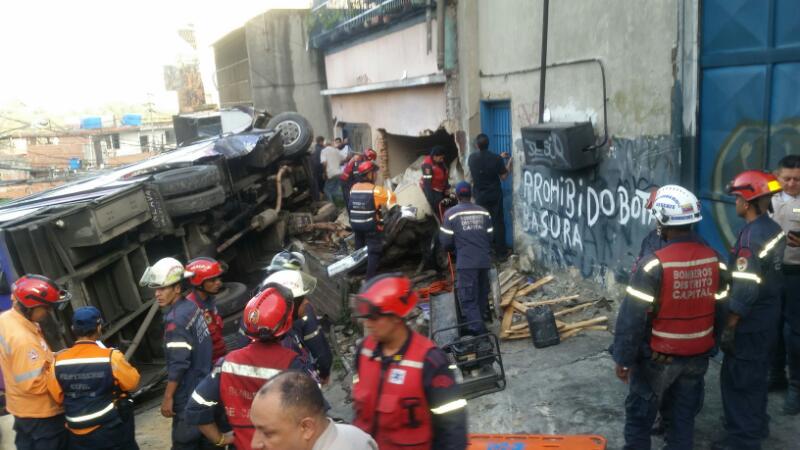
777, 381
791, 404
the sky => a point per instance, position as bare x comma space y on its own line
63, 56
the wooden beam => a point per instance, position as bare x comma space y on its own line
551, 302
585, 323
573, 309
535, 285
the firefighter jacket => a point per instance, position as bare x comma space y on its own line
234, 382
348, 171
673, 304
757, 281
188, 349
787, 215
366, 201
467, 229
435, 176
89, 380
309, 331
409, 400
213, 322
26, 361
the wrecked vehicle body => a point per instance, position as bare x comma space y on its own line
220, 197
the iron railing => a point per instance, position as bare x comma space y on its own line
336, 21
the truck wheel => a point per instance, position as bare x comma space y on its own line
296, 132
186, 180
231, 299
195, 203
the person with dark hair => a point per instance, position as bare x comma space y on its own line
786, 212
187, 346
435, 178
349, 172
206, 283
367, 207
749, 335
488, 170
288, 413
93, 383
467, 229
317, 170
239, 375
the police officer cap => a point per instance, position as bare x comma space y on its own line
86, 319
437, 150
463, 189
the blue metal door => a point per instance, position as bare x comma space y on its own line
496, 123
749, 103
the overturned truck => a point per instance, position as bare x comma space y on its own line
222, 196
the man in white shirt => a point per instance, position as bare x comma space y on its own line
288, 413
332, 159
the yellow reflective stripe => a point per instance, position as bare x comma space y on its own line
91, 416
359, 191
469, 213
697, 262
746, 276
722, 266
445, 230
640, 295
71, 362
311, 335
700, 334
179, 345
450, 407
245, 370
412, 364
649, 266
771, 244
200, 400
723, 294
28, 375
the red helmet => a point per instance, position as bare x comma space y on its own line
752, 184
371, 154
367, 167
384, 295
268, 315
37, 290
205, 269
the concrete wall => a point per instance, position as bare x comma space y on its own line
592, 219
394, 56
233, 69
283, 74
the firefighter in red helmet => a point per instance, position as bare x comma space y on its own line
404, 392
349, 174
232, 385
27, 363
206, 283
751, 330
366, 205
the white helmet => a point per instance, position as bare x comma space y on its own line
675, 206
166, 272
299, 283
288, 260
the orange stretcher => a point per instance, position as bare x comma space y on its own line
535, 442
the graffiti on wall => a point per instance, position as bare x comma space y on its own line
595, 219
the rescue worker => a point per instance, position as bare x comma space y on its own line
404, 393
467, 229
286, 260
665, 326
26, 362
488, 170
93, 383
206, 283
750, 333
348, 175
241, 373
786, 207
435, 182
366, 203
188, 348
307, 331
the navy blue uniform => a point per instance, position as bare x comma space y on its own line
309, 330
678, 383
467, 229
486, 169
188, 351
450, 429
756, 299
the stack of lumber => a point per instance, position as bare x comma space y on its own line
514, 290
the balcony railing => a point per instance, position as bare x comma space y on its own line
335, 21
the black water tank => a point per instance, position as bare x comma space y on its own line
542, 324
562, 146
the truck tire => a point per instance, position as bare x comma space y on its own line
195, 203
295, 131
175, 182
231, 299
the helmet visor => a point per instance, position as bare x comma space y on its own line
363, 309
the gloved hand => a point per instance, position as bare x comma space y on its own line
661, 358
727, 342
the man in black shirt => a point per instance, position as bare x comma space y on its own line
317, 180
488, 169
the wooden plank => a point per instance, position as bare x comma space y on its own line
506, 275
573, 309
585, 323
508, 284
519, 306
535, 285
551, 302
508, 298
514, 336
508, 316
